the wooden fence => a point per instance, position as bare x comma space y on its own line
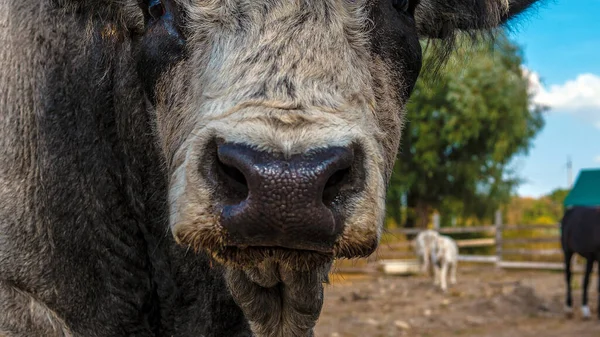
508, 246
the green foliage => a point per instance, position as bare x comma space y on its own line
463, 128
546, 210
558, 196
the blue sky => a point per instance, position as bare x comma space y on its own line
561, 44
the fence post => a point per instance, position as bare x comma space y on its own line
436, 221
499, 228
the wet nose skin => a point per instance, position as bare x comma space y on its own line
286, 199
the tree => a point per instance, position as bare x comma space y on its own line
462, 130
558, 196
547, 209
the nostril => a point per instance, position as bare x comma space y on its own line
233, 182
335, 184
234, 174
337, 178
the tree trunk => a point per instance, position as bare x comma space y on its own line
422, 211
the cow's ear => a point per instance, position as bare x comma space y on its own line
442, 18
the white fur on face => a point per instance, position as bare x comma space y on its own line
280, 76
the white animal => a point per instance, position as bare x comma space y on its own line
423, 245
445, 260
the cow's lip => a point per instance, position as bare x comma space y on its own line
300, 259
269, 249
315, 249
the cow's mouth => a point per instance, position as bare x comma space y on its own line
213, 241
251, 257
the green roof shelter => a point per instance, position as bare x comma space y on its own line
586, 191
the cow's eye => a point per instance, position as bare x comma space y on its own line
156, 9
401, 5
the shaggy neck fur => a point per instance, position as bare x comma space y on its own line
84, 243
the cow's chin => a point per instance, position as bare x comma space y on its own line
279, 290
278, 300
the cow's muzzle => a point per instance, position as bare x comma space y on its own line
268, 199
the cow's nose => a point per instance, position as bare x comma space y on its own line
278, 201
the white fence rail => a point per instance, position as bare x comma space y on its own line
399, 257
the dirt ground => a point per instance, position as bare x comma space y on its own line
486, 302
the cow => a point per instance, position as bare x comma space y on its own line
580, 234
444, 258
423, 246
194, 167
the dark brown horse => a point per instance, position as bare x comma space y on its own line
580, 233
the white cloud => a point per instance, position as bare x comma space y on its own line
579, 97
597, 159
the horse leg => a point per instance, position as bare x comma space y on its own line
444, 276
453, 273
598, 259
569, 300
589, 265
